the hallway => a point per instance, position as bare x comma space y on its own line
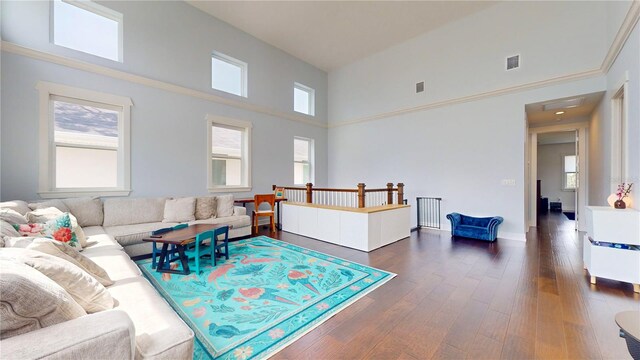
471, 299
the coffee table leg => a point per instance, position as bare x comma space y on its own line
163, 256
184, 259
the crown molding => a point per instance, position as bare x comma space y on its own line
158, 84
474, 97
623, 34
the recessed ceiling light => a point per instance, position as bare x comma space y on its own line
559, 112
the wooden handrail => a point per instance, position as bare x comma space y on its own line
361, 191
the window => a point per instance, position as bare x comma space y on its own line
619, 140
86, 142
303, 99
88, 27
302, 161
228, 74
570, 174
229, 147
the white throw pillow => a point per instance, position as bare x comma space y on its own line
179, 210
45, 214
20, 206
18, 241
70, 254
31, 301
205, 208
49, 203
12, 216
7, 230
83, 288
225, 205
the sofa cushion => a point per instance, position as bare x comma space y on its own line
82, 287
45, 214
99, 240
7, 230
67, 253
11, 216
224, 205
205, 207
133, 211
56, 203
87, 210
31, 301
117, 264
234, 221
19, 206
179, 210
160, 333
133, 234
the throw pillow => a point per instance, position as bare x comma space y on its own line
89, 211
45, 214
179, 210
49, 203
224, 206
48, 304
82, 287
7, 230
70, 254
19, 241
59, 229
205, 208
21, 207
12, 216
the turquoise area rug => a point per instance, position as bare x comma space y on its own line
268, 294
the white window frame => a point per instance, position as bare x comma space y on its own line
312, 98
311, 161
98, 10
245, 127
244, 69
564, 173
47, 175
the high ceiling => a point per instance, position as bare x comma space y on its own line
331, 34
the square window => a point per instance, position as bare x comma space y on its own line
228, 74
86, 149
303, 99
229, 150
570, 174
88, 27
302, 161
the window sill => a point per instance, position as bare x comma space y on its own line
229, 189
82, 193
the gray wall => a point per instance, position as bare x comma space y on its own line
171, 42
550, 172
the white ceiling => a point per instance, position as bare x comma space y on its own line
331, 34
538, 116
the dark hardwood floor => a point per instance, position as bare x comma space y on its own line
471, 299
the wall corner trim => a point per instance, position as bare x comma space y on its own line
158, 84
626, 28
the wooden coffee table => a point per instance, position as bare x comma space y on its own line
180, 239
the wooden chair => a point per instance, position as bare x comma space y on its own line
257, 213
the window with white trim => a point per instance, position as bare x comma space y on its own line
229, 149
228, 74
304, 99
302, 161
84, 137
569, 172
88, 27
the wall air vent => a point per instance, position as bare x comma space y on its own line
420, 87
513, 62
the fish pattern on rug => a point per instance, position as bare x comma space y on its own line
268, 294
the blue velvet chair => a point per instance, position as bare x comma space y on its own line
485, 228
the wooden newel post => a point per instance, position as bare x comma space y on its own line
309, 193
400, 193
273, 187
361, 195
389, 193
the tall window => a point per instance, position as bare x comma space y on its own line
570, 174
88, 27
303, 99
229, 150
228, 74
302, 161
619, 140
85, 137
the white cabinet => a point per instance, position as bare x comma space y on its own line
613, 226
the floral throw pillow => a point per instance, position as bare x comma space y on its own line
59, 229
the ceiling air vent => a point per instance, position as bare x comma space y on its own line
513, 62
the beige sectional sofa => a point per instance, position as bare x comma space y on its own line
142, 325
